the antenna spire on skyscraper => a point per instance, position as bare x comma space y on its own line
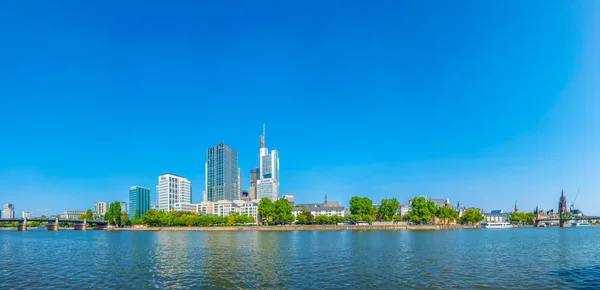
262, 137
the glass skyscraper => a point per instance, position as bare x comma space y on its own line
139, 199
222, 174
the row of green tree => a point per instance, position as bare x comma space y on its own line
179, 218
522, 217
278, 212
425, 211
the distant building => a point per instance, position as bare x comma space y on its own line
496, 211
222, 180
139, 200
9, 211
438, 201
72, 214
267, 184
562, 203
290, 198
254, 176
404, 209
26, 215
123, 206
516, 207
326, 208
172, 189
100, 208
496, 217
245, 196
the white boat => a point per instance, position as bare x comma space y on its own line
583, 224
496, 225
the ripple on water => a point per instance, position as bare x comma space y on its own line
517, 259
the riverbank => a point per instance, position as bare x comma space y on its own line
307, 228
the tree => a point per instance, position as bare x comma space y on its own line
447, 215
113, 215
137, 214
472, 216
89, 215
363, 208
283, 211
309, 216
388, 209
151, 218
422, 210
124, 218
266, 209
301, 219
322, 219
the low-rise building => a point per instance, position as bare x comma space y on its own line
221, 208
71, 214
26, 215
496, 217
328, 208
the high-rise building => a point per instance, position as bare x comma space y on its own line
254, 176
139, 200
9, 211
123, 206
172, 189
268, 183
100, 208
222, 174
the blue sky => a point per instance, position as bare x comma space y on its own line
486, 102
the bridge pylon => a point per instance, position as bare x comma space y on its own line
22, 227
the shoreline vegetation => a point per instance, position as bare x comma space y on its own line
308, 228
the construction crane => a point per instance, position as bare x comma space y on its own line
44, 211
574, 200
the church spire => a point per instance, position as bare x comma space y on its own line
326, 198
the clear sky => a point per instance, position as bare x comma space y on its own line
486, 102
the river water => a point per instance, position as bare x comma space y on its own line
544, 258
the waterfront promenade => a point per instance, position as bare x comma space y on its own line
309, 228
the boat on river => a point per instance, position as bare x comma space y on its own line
496, 225
583, 224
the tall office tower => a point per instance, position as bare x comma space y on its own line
172, 189
222, 174
268, 183
100, 208
139, 200
254, 176
9, 211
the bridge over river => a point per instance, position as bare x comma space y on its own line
563, 219
79, 225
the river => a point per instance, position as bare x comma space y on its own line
528, 258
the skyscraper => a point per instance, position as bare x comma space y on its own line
268, 183
254, 176
172, 189
9, 211
223, 180
139, 200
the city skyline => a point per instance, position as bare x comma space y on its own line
486, 104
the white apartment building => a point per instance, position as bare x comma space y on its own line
9, 211
100, 208
172, 189
328, 209
221, 208
71, 214
26, 215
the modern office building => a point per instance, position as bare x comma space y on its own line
254, 176
9, 211
222, 180
26, 215
268, 183
123, 206
100, 208
172, 189
139, 200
